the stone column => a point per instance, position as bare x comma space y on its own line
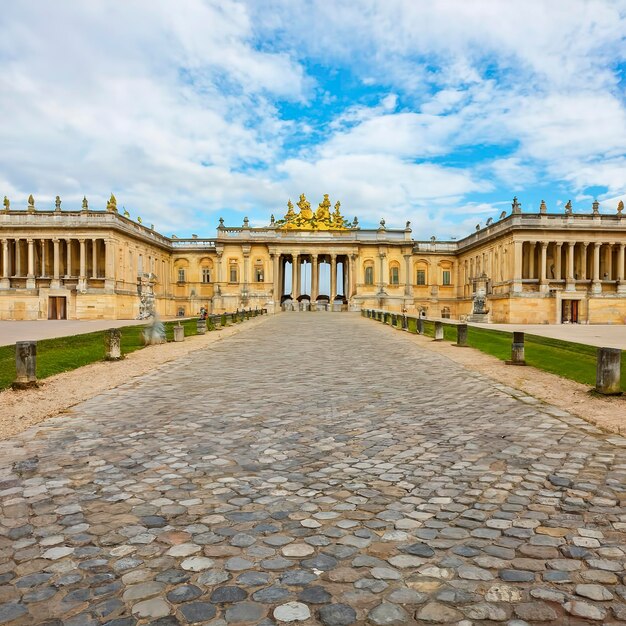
68, 265
82, 278
596, 287
94, 258
531, 259
56, 264
583, 261
352, 288
42, 260
109, 265
383, 273
543, 279
333, 277
570, 284
609, 260
314, 278
295, 266
218, 264
17, 268
621, 284
5, 281
517, 265
408, 282
30, 277
558, 274
276, 290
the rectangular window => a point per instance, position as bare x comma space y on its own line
395, 276
369, 275
421, 277
181, 275
446, 277
233, 274
206, 275
258, 274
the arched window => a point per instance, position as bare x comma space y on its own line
368, 268
394, 273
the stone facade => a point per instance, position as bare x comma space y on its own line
524, 268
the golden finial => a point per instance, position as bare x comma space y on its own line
139, 219
126, 213
112, 204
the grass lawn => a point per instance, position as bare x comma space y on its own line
67, 353
565, 358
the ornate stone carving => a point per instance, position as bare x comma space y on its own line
516, 206
568, 207
306, 219
542, 207
596, 207
31, 203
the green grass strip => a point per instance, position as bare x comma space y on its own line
63, 354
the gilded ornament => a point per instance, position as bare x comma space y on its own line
307, 219
112, 204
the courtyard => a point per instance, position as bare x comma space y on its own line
314, 469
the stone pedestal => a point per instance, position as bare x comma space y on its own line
438, 331
517, 350
608, 371
25, 365
461, 335
420, 326
112, 344
201, 327
179, 332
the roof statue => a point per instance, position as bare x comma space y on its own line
543, 207
568, 207
307, 219
85, 203
126, 213
620, 206
57, 203
595, 207
112, 204
7, 203
516, 206
31, 203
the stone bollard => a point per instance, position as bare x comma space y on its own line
112, 344
179, 332
25, 365
608, 371
438, 331
420, 326
217, 321
201, 327
405, 323
517, 350
461, 335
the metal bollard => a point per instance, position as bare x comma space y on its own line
438, 331
461, 335
517, 350
608, 371
201, 327
25, 365
179, 332
112, 344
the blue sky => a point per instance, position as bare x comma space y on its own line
433, 112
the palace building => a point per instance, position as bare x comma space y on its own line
536, 267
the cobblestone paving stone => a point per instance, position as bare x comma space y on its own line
320, 469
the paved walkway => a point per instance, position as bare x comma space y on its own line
318, 468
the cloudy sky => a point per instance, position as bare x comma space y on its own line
434, 112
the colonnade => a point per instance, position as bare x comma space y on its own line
569, 261
54, 259
299, 287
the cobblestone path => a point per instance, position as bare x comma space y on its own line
319, 469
